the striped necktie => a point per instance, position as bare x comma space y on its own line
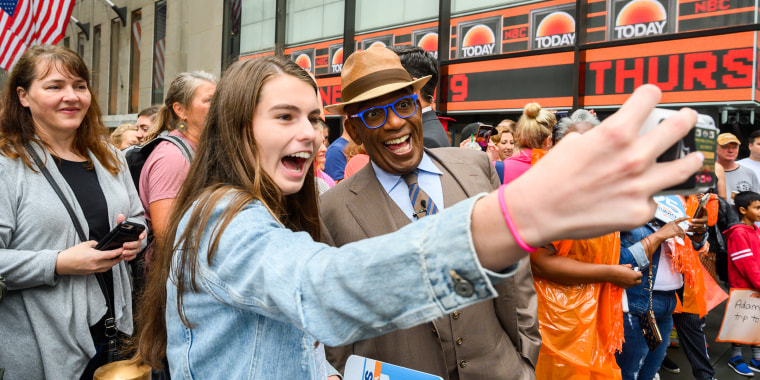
421, 202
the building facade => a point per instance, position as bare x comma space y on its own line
136, 47
495, 55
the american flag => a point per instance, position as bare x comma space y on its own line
235, 16
159, 47
24, 23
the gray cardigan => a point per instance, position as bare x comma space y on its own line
45, 318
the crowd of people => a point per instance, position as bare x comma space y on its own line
271, 253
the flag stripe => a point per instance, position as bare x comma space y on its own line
34, 22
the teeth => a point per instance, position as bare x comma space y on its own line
398, 140
304, 155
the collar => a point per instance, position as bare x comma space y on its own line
390, 181
426, 109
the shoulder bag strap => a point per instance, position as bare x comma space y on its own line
110, 322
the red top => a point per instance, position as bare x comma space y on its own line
743, 256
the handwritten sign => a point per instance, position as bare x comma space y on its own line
741, 323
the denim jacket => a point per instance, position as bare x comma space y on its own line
270, 293
632, 252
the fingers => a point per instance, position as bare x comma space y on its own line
672, 129
636, 109
120, 218
667, 174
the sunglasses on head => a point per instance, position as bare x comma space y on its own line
375, 117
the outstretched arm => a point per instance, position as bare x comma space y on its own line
607, 185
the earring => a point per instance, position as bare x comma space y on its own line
182, 127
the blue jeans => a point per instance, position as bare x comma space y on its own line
636, 361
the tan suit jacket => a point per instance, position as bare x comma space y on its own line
496, 339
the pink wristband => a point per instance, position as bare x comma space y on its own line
510, 224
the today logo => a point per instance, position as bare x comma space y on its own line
304, 61
478, 41
337, 60
556, 29
429, 43
641, 18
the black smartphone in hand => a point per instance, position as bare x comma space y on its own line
122, 233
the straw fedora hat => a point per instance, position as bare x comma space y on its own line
371, 73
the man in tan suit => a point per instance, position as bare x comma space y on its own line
496, 339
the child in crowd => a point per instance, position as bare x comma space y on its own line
744, 266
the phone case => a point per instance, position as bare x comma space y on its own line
122, 233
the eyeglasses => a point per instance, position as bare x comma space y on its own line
375, 117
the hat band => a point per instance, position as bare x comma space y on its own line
373, 80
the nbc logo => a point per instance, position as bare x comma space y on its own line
478, 41
337, 60
641, 18
556, 29
304, 61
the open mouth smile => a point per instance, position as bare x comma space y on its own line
296, 162
399, 145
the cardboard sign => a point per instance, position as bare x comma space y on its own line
360, 368
741, 323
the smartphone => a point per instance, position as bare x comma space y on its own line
122, 233
703, 137
700, 211
484, 134
560, 114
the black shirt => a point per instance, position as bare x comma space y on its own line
84, 183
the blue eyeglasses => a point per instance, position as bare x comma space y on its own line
375, 117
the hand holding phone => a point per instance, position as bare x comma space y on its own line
484, 135
700, 211
123, 232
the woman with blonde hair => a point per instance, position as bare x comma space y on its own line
124, 136
533, 137
502, 142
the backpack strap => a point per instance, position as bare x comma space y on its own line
183, 146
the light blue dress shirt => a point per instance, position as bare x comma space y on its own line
428, 179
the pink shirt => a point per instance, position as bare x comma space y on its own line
516, 165
163, 174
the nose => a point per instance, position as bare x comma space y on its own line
307, 131
392, 121
69, 94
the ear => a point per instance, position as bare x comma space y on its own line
742, 210
351, 129
547, 144
22, 96
179, 110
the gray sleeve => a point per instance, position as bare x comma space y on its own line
136, 211
20, 268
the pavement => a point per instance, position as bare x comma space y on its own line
719, 352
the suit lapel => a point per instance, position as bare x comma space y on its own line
455, 180
374, 211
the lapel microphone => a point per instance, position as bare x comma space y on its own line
423, 210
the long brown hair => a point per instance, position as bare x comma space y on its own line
16, 124
226, 163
